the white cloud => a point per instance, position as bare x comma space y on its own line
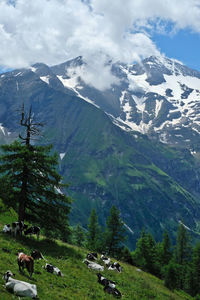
53, 31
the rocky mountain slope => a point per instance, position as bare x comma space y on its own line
105, 164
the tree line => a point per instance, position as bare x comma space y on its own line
177, 265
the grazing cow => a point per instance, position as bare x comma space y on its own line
7, 228
18, 287
92, 265
53, 270
115, 266
106, 260
18, 227
115, 292
106, 282
25, 261
36, 254
92, 256
33, 230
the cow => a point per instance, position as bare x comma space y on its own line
18, 287
92, 256
114, 291
25, 261
115, 266
7, 228
51, 269
106, 260
104, 281
18, 227
36, 254
92, 265
33, 230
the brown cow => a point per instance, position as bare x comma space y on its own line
25, 261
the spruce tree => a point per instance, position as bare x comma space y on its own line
182, 253
165, 253
93, 235
114, 233
144, 255
183, 249
195, 266
35, 184
78, 235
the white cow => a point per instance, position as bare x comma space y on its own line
18, 287
92, 265
7, 228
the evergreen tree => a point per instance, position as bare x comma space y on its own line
182, 253
78, 235
144, 255
171, 275
165, 253
35, 185
183, 247
115, 232
194, 286
93, 235
126, 256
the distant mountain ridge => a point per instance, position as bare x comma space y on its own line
108, 164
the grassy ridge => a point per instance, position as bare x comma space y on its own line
78, 282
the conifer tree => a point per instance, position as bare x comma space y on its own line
183, 249
194, 285
115, 232
182, 253
165, 253
78, 235
171, 275
93, 235
34, 182
144, 255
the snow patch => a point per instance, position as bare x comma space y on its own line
45, 79
62, 155
33, 69
2, 129
128, 228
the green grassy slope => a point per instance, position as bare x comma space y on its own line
78, 282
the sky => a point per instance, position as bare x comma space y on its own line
54, 31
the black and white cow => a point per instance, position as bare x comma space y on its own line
105, 282
54, 270
18, 287
18, 227
7, 228
106, 260
92, 256
114, 291
33, 230
115, 266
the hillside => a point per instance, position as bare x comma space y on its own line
78, 281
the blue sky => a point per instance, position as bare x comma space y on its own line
54, 31
184, 46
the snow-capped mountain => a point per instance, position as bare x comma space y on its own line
159, 97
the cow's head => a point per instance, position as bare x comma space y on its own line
7, 275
